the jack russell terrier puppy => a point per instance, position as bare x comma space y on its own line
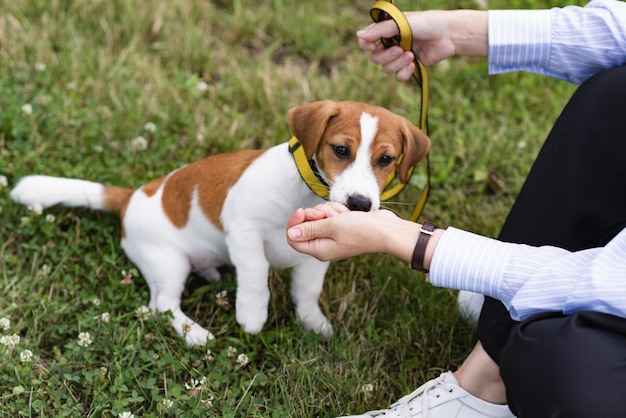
233, 209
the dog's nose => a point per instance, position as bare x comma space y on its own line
359, 202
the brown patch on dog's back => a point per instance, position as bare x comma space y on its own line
212, 177
151, 188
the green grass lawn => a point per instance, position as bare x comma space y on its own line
124, 91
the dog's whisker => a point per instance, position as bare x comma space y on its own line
388, 205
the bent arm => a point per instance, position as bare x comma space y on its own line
571, 43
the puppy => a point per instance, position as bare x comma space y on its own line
233, 209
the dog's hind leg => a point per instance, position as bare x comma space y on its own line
166, 274
307, 282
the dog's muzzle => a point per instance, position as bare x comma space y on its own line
359, 202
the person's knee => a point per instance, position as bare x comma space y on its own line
554, 366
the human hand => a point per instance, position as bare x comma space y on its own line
437, 35
332, 232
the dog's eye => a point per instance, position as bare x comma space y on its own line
385, 160
341, 151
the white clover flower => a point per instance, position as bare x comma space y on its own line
243, 359
150, 127
232, 351
143, 313
35, 208
127, 277
4, 182
26, 356
196, 386
98, 148
208, 402
10, 340
103, 371
40, 66
45, 270
5, 324
187, 327
521, 145
27, 109
50, 218
96, 301
125, 414
105, 317
84, 339
167, 403
202, 86
139, 144
368, 387
222, 300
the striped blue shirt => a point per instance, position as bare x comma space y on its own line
571, 44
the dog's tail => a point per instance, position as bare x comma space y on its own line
49, 191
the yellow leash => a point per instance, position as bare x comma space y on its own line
385, 10
382, 10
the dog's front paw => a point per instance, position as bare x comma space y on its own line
196, 335
321, 326
251, 321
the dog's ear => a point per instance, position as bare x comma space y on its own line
308, 123
415, 147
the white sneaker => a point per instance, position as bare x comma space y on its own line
441, 398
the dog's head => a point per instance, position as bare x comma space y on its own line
356, 146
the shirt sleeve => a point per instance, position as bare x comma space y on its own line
528, 279
570, 43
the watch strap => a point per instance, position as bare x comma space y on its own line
417, 261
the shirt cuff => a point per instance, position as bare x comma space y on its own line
518, 40
466, 261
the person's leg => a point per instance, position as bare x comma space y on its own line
572, 198
586, 379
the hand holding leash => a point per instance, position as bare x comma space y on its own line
437, 35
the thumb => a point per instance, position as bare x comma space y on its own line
308, 231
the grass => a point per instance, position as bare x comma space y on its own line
81, 80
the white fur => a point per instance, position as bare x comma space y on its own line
254, 217
48, 191
359, 178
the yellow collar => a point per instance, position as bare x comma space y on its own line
308, 170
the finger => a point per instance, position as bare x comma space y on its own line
330, 209
308, 231
404, 74
375, 31
298, 217
398, 64
383, 56
338, 207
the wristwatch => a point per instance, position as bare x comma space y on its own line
417, 261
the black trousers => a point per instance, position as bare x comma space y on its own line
574, 198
